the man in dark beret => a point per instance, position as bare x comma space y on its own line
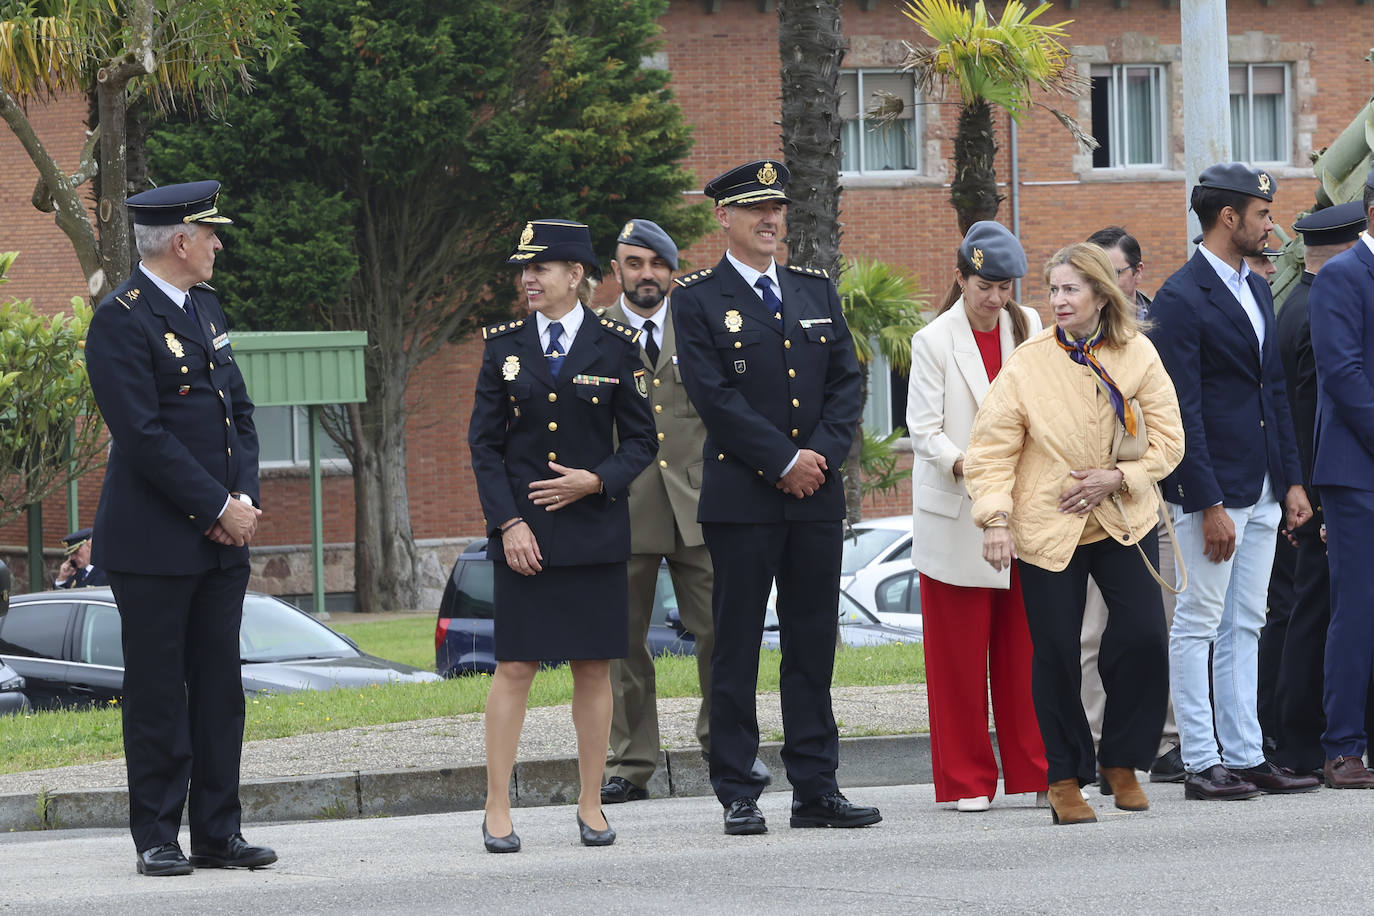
1341, 306
767, 358
1214, 331
176, 513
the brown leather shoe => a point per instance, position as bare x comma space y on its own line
1276, 780
1067, 805
1216, 783
1347, 773
1120, 782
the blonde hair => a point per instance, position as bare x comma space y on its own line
1089, 261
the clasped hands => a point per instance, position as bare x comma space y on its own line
518, 542
236, 525
806, 476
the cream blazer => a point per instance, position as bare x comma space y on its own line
948, 383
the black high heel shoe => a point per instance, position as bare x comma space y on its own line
592, 837
508, 843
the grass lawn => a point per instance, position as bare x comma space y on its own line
59, 738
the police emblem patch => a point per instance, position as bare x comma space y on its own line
510, 368
528, 235
739, 367
1264, 182
642, 382
628, 230
977, 259
767, 174
174, 344
733, 321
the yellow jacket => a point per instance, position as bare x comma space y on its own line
1045, 416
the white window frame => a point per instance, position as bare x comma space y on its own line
1287, 118
917, 127
300, 443
1118, 139
877, 417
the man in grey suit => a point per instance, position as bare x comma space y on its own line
663, 517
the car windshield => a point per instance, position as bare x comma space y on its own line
851, 612
274, 631
864, 547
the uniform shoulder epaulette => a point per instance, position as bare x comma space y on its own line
695, 276
623, 331
505, 327
203, 285
128, 298
600, 311
809, 271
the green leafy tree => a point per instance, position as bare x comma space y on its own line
990, 63
381, 176
121, 52
882, 305
50, 430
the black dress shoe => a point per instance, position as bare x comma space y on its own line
618, 789
234, 852
1168, 767
160, 861
508, 843
833, 810
592, 837
1216, 783
743, 818
1276, 780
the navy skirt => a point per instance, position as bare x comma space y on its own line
561, 612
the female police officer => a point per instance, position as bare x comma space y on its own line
560, 427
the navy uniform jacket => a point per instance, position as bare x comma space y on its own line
1234, 403
1342, 316
522, 419
765, 390
181, 431
1300, 372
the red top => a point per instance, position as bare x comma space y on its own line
990, 346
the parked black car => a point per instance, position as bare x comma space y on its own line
66, 646
463, 642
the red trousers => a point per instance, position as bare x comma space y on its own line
969, 634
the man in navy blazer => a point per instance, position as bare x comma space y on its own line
768, 361
176, 513
1214, 331
1341, 308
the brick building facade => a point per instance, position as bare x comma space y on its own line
1298, 73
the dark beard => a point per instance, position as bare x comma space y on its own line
650, 301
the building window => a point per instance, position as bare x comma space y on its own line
885, 409
284, 438
1259, 113
1128, 115
866, 147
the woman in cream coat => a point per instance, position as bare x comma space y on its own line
972, 615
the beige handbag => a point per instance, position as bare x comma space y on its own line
1132, 448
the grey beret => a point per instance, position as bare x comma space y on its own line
1239, 177
647, 234
993, 252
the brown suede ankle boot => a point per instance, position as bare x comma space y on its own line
1067, 805
1120, 782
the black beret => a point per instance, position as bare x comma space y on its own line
556, 240
193, 202
1333, 225
751, 183
648, 234
1239, 177
993, 252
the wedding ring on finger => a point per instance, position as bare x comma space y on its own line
1082, 504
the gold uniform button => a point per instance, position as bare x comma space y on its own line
760, 473
229, 450
662, 463
660, 437
1261, 423
791, 373
221, 392
184, 370
720, 457
738, 345
796, 403
553, 427
512, 399
658, 382
658, 408
226, 421
795, 432
553, 456
822, 338
552, 397
787, 344
596, 400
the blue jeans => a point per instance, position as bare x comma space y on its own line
1221, 610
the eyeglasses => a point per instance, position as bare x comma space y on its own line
1126, 269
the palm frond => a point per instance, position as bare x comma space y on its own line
882, 305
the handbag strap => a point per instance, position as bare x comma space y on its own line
1173, 542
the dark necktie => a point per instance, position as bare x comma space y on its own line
190, 307
770, 298
650, 347
551, 351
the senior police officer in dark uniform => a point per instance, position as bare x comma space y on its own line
76, 570
768, 361
176, 513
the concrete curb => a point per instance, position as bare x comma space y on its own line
876, 761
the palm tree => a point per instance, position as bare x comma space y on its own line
991, 63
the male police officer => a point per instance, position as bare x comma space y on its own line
176, 512
76, 570
767, 359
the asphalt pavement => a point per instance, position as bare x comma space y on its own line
1302, 853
